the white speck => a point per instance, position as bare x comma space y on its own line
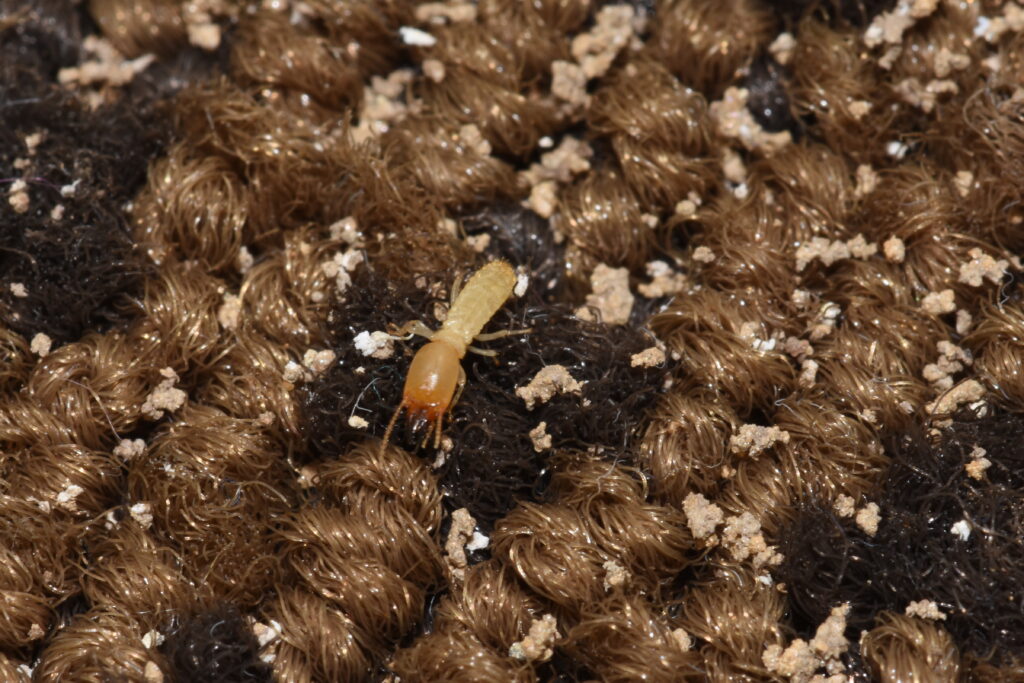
981, 26
765, 579
292, 372
140, 512
961, 529
478, 542
522, 282
414, 36
764, 345
546, 142
69, 190
357, 422
741, 191
153, 639
896, 149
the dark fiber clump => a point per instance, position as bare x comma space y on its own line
68, 251
493, 462
768, 101
213, 647
978, 583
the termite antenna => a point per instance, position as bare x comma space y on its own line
391, 426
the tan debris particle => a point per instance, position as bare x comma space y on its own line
244, 261
924, 96
925, 609
797, 348
17, 196
702, 516
703, 255
615, 575
543, 198
612, 31
963, 322
976, 468
357, 422
540, 437
868, 518
734, 120
665, 282
742, 536
537, 645
797, 662
859, 109
844, 505
434, 69
142, 514
127, 449
682, 639
205, 36
648, 358
165, 397
439, 12
867, 180
939, 303
152, 673
68, 498
473, 139
318, 361
40, 345
611, 296
569, 83
57, 212
967, 391
808, 373
19, 290
828, 641
861, 248
293, 372
549, 381
463, 526
782, 48
36, 632
894, 250
733, 168
569, 159
982, 266
229, 312
964, 181
479, 243
821, 249
752, 440
107, 66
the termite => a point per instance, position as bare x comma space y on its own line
436, 378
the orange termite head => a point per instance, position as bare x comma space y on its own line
430, 386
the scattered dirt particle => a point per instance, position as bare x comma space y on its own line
543, 198
702, 516
844, 505
439, 12
41, 345
735, 121
616, 575
648, 358
925, 609
569, 83
128, 449
611, 296
964, 320
752, 440
703, 255
549, 381
821, 249
19, 290
967, 391
165, 397
682, 639
106, 66
463, 526
861, 248
318, 361
598, 48
743, 538
142, 514
939, 303
357, 422
537, 645
375, 344
244, 261
782, 48
963, 181
867, 180
665, 281
434, 70
540, 437
894, 250
868, 518
229, 312
982, 266
17, 196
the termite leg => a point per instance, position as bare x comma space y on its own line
391, 425
491, 336
451, 406
411, 328
482, 352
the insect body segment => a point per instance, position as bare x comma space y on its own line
436, 377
